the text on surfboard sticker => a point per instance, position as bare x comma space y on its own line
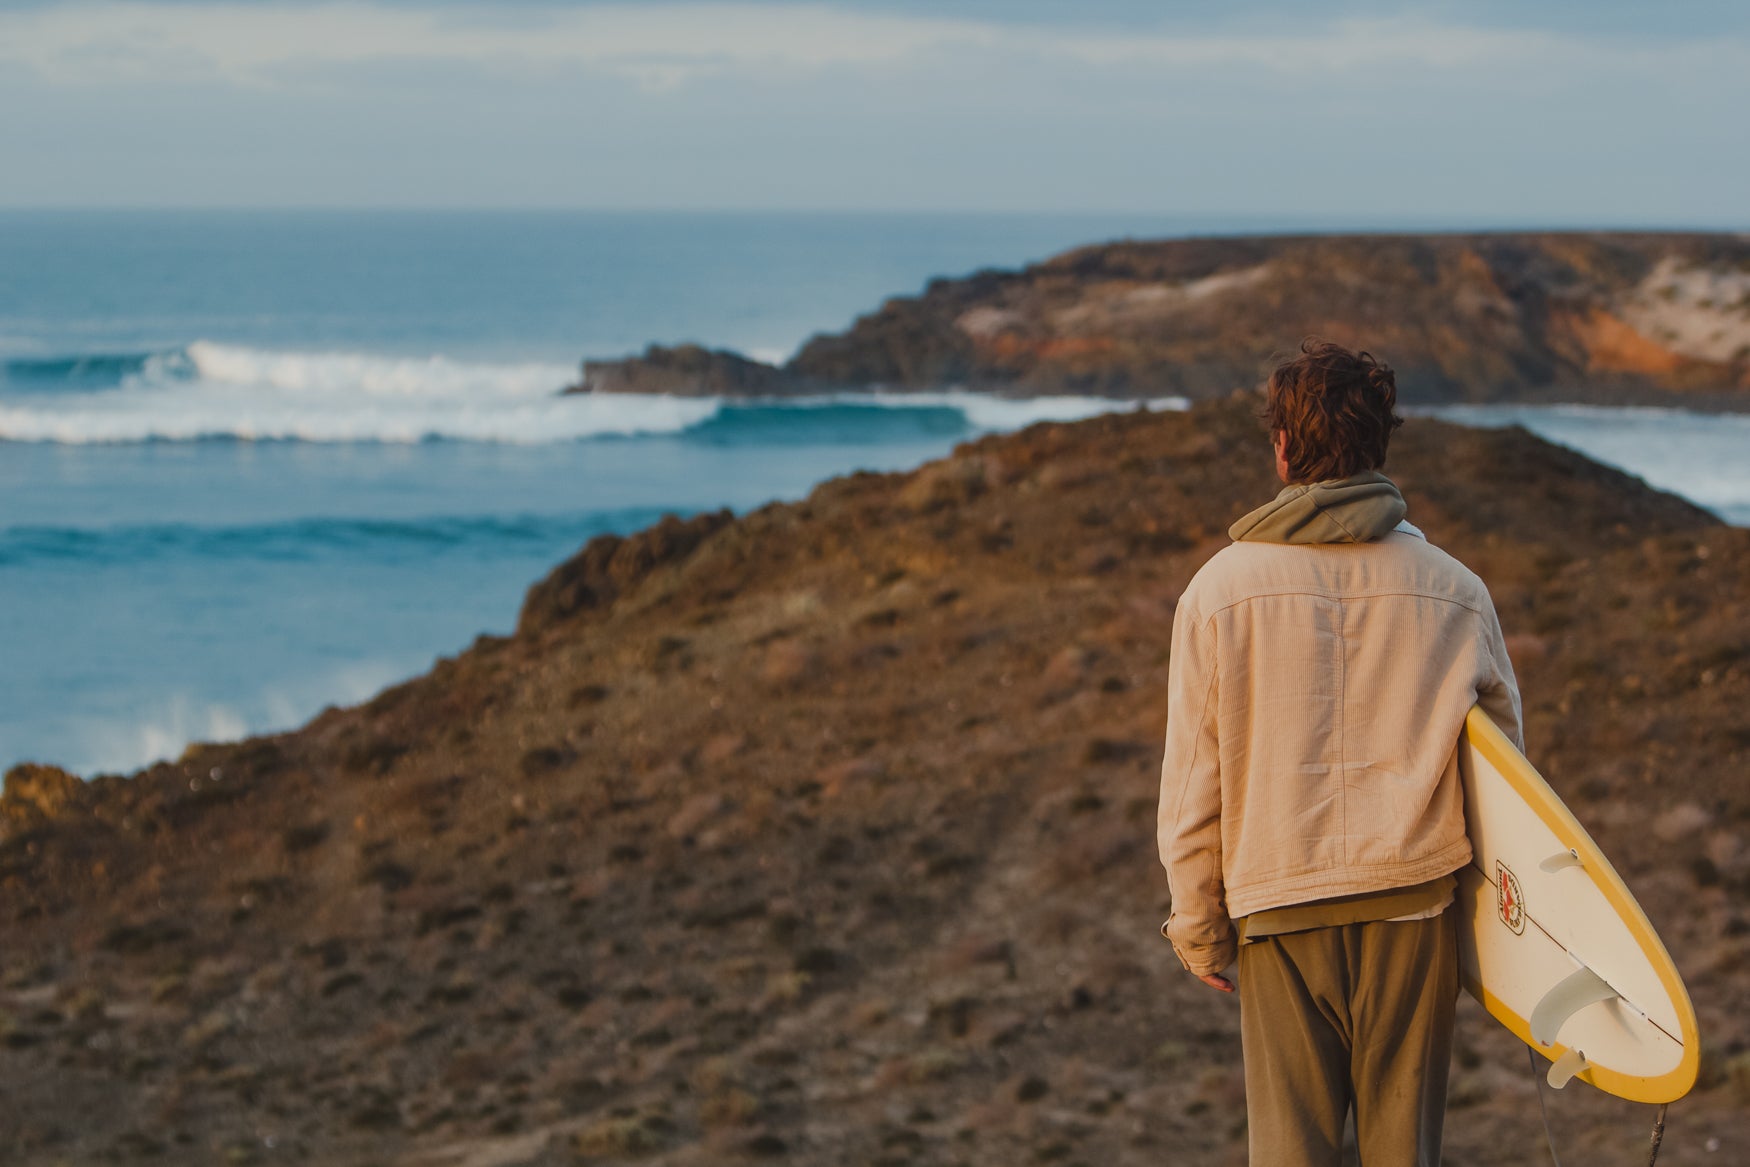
1509, 901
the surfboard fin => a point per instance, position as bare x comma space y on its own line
1563, 1069
1560, 860
1579, 989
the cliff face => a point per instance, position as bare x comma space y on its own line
825, 834
1477, 317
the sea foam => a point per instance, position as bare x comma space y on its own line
221, 391
209, 391
1697, 455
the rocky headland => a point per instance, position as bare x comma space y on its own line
1603, 316
824, 835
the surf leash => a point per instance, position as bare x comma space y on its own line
1658, 1134
1549, 1136
1538, 1085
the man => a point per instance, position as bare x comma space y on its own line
1311, 817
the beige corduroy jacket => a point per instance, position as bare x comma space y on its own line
1315, 701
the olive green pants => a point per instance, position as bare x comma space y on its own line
1353, 1015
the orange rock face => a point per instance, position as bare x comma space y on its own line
1613, 346
1486, 317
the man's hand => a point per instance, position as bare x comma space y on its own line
1217, 981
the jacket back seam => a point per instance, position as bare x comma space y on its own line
1474, 608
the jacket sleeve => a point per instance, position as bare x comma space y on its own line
1498, 690
1189, 822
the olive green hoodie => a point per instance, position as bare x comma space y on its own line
1356, 509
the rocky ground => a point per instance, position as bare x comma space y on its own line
825, 835
1599, 316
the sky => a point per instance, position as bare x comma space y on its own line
1488, 112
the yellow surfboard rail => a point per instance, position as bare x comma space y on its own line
1487, 739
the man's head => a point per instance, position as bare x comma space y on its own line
1330, 412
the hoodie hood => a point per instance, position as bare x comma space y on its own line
1344, 510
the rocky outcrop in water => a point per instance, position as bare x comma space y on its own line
1482, 317
690, 370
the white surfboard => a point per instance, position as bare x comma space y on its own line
1554, 945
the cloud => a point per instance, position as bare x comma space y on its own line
665, 45
529, 103
263, 44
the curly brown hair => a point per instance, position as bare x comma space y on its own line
1337, 408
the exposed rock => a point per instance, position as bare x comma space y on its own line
1525, 317
608, 564
1458, 316
695, 812
1682, 823
788, 664
34, 795
690, 370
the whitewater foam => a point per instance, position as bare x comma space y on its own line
990, 414
219, 391
320, 375
1697, 455
161, 727
209, 390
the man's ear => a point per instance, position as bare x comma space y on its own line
1279, 442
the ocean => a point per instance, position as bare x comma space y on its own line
253, 464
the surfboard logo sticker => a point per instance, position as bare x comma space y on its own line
1509, 901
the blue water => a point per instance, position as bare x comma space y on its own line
532, 286
255, 464
231, 586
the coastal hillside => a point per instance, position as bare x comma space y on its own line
1484, 317
825, 835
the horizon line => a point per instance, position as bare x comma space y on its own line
1350, 222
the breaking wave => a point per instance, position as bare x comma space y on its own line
209, 391
1697, 455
